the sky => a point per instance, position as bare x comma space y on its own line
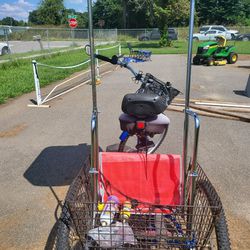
19, 9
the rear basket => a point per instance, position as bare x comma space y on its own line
150, 225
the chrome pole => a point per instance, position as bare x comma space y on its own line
94, 118
192, 172
187, 95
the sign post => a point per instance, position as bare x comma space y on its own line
72, 24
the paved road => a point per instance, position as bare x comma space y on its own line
43, 149
26, 46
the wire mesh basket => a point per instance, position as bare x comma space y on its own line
149, 226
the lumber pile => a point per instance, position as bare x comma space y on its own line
222, 110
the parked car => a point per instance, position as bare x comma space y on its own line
243, 37
5, 30
231, 33
4, 48
210, 35
155, 35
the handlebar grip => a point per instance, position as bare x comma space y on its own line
112, 60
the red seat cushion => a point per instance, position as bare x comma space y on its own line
154, 178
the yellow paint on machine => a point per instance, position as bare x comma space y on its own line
220, 62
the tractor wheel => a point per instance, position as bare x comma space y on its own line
196, 39
232, 58
210, 62
196, 60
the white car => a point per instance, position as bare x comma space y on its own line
231, 33
210, 35
4, 48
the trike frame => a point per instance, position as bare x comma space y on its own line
191, 223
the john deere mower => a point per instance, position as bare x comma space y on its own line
215, 53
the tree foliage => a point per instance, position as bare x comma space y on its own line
10, 21
49, 12
109, 11
222, 11
145, 13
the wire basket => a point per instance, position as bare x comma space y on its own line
149, 226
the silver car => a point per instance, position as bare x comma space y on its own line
210, 35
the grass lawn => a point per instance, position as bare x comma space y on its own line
181, 47
16, 76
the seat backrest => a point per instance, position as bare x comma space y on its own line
143, 105
153, 178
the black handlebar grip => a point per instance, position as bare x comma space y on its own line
112, 60
103, 58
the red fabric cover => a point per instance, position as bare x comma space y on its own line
153, 178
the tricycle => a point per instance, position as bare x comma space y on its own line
130, 197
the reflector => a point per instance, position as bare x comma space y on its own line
140, 124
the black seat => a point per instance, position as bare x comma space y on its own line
143, 105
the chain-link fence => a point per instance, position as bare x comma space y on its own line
28, 42
134, 34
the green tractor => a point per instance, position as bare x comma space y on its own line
215, 53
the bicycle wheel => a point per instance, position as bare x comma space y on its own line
218, 238
67, 238
129, 144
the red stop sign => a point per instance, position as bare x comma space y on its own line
73, 23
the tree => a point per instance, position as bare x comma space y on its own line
110, 11
9, 21
49, 12
166, 15
34, 17
140, 14
222, 11
171, 13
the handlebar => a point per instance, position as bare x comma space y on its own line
115, 61
149, 82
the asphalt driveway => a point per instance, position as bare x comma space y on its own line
43, 149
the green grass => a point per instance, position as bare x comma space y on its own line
181, 47
16, 76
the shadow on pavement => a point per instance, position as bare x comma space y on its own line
240, 92
57, 166
245, 92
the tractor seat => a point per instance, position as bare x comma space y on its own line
154, 124
228, 47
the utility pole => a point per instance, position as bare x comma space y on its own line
124, 14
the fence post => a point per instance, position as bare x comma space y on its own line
37, 83
120, 50
48, 43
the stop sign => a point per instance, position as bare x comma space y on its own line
72, 22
